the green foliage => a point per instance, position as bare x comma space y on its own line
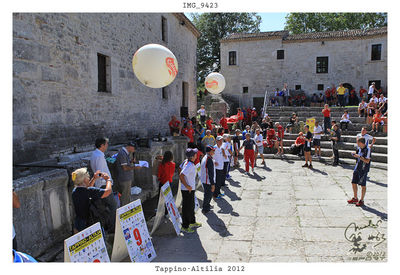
213, 27
320, 22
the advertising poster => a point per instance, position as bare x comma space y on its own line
131, 235
174, 215
87, 246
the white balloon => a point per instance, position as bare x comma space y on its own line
215, 83
155, 65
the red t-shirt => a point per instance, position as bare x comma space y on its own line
224, 123
300, 140
174, 124
253, 113
377, 118
240, 115
189, 133
362, 91
209, 125
271, 134
166, 172
281, 131
328, 93
326, 112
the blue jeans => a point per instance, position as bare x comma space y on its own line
207, 197
220, 180
327, 124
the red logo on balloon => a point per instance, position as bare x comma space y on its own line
96, 261
171, 66
211, 84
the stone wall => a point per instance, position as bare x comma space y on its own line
46, 214
56, 105
259, 69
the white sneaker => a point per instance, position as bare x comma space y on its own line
252, 170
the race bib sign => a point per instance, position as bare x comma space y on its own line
173, 212
131, 235
86, 246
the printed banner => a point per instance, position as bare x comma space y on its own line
311, 123
132, 235
86, 246
174, 215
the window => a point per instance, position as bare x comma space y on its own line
245, 90
280, 54
185, 94
320, 87
322, 65
164, 29
104, 73
297, 87
164, 93
376, 51
232, 58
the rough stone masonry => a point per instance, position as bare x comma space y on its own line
56, 103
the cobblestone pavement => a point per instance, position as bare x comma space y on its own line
285, 213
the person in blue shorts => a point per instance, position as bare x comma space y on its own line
360, 173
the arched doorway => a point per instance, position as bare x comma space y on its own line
348, 86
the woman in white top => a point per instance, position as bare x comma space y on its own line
345, 120
258, 138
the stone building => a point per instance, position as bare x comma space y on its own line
73, 79
254, 63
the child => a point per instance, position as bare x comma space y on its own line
84, 192
166, 171
345, 120
207, 178
271, 137
280, 135
236, 146
188, 187
202, 112
209, 123
307, 148
258, 138
377, 119
248, 145
228, 153
360, 171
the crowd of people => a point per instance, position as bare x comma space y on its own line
213, 149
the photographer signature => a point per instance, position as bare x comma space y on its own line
354, 234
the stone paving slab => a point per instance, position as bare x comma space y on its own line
285, 213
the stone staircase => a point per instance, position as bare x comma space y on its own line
379, 150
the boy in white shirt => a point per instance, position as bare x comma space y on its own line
202, 112
258, 138
362, 109
228, 152
317, 139
188, 187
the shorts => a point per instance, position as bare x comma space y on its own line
307, 149
317, 142
359, 178
260, 149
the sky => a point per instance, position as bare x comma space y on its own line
272, 21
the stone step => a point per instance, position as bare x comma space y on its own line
326, 160
346, 138
309, 113
354, 120
375, 157
382, 149
300, 108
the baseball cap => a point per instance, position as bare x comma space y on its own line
131, 143
219, 138
210, 148
191, 152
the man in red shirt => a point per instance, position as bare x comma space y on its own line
362, 92
224, 123
174, 125
299, 144
280, 135
188, 131
328, 96
327, 118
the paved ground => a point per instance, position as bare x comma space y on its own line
285, 213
